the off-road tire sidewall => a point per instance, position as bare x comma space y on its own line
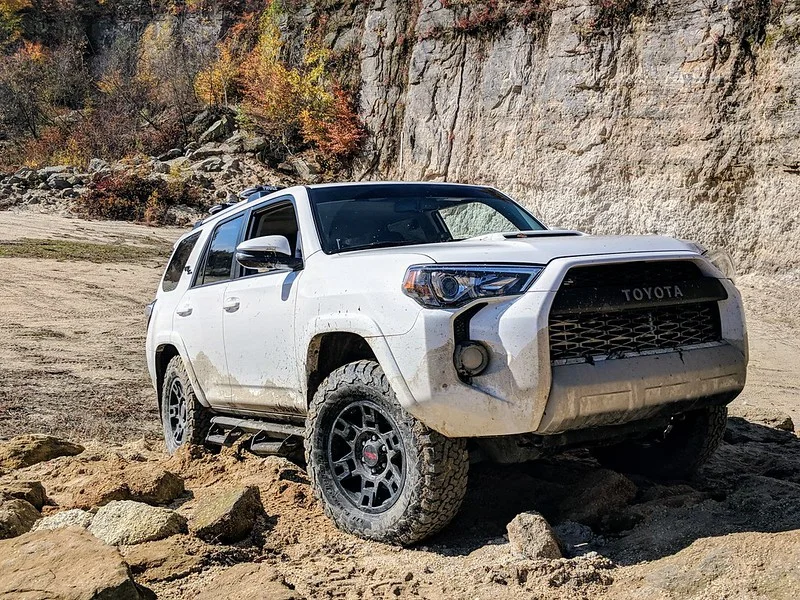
435, 466
198, 417
685, 449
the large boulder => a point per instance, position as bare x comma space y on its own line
30, 491
248, 580
148, 484
64, 564
26, 450
228, 516
16, 517
126, 523
168, 559
218, 130
254, 144
67, 518
531, 535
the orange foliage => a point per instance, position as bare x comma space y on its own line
337, 131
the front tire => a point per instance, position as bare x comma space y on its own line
675, 454
378, 472
184, 419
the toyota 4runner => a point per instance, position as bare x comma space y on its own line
398, 330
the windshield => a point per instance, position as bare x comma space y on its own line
352, 217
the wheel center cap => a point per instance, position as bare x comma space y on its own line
370, 455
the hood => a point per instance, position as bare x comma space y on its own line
537, 249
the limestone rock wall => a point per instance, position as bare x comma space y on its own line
680, 119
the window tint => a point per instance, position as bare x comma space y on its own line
219, 259
178, 262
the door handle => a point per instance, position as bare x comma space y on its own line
231, 305
184, 311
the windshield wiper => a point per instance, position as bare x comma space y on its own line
384, 244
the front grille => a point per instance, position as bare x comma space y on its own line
638, 273
593, 328
613, 334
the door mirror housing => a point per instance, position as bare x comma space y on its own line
267, 253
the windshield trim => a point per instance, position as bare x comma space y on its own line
362, 190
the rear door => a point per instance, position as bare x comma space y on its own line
199, 313
259, 321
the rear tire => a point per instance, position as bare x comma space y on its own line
184, 419
378, 472
676, 454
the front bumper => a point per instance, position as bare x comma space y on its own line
521, 392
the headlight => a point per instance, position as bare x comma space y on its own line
717, 257
450, 286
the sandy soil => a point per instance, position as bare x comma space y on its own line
72, 364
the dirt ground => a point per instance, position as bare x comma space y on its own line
72, 364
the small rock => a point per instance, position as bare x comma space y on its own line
228, 516
67, 518
64, 564
210, 164
176, 164
16, 517
30, 491
26, 450
171, 154
43, 186
46, 172
248, 580
531, 535
125, 522
161, 167
69, 193
253, 145
58, 182
206, 151
96, 165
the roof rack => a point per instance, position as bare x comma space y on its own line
248, 195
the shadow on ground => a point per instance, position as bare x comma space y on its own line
751, 484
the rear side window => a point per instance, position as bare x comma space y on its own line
219, 260
178, 262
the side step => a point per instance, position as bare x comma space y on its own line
267, 438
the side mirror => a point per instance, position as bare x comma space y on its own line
267, 253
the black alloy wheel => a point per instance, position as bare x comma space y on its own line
177, 412
367, 456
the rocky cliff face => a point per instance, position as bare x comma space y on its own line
679, 117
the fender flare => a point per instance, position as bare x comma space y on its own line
366, 328
173, 339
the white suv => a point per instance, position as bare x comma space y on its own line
396, 329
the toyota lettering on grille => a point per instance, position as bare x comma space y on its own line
652, 293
